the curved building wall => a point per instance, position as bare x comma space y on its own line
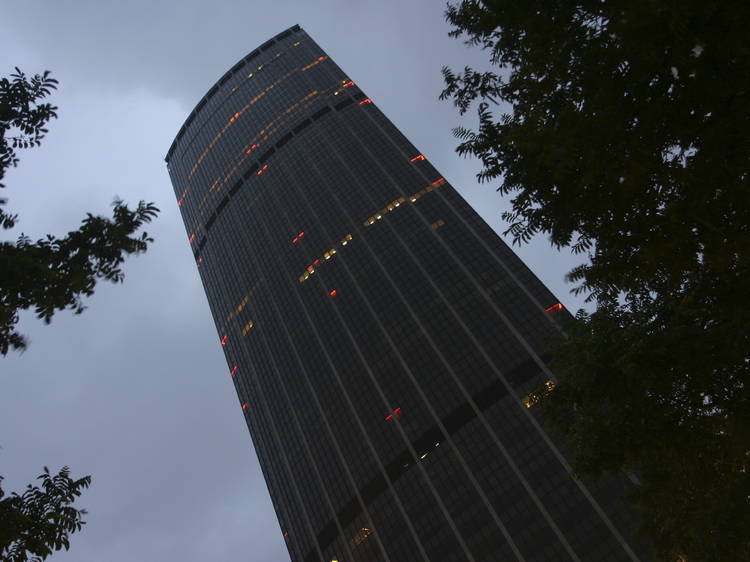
382, 338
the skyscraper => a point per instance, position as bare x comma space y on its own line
383, 340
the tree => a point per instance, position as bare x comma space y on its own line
49, 275
53, 273
40, 521
627, 140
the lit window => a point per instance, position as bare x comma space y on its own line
364, 101
554, 309
247, 328
533, 398
396, 413
417, 157
192, 238
438, 223
361, 536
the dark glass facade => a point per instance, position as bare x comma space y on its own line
382, 338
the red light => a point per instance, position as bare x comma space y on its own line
418, 157
349, 83
310, 268
368, 100
301, 234
192, 238
249, 150
286, 534
233, 371
263, 169
396, 412
179, 203
332, 293
316, 262
438, 181
200, 260
244, 406
295, 240
322, 58
554, 309
224, 340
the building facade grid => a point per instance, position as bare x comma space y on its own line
381, 337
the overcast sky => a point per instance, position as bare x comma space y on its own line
136, 391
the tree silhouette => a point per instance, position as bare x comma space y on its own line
628, 140
40, 521
52, 273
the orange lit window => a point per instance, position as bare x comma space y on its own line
417, 157
349, 83
554, 309
361, 536
438, 223
326, 256
192, 238
364, 101
533, 398
247, 328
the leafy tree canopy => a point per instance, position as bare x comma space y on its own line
628, 140
52, 273
38, 522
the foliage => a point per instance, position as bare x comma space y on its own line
40, 521
53, 274
627, 139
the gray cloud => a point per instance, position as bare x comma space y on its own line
136, 391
